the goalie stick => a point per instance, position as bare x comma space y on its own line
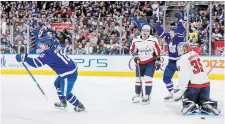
222, 55
39, 87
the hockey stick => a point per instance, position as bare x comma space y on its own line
39, 87
222, 55
139, 75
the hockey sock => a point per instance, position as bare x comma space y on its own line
169, 86
138, 87
72, 99
169, 83
61, 97
148, 87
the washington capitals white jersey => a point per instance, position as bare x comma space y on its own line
147, 50
191, 71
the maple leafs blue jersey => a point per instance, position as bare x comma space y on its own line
173, 43
55, 58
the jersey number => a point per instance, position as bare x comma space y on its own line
197, 66
61, 54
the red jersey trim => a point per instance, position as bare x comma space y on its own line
199, 85
147, 61
157, 48
132, 48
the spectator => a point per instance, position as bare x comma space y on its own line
217, 35
20, 48
68, 46
193, 40
88, 48
80, 50
97, 25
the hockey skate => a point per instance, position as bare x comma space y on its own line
80, 107
209, 107
169, 97
137, 98
61, 105
146, 100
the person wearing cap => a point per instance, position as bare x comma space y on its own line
172, 38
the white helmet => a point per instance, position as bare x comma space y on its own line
146, 27
145, 32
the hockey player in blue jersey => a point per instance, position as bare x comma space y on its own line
54, 56
173, 38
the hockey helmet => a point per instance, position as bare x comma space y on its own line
145, 27
48, 42
173, 29
183, 48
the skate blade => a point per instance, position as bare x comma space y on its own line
169, 100
135, 102
145, 103
61, 108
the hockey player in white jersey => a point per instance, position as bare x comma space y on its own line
145, 49
193, 84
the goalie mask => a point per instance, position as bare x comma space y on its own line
183, 48
145, 31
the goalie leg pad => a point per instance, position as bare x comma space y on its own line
210, 107
188, 106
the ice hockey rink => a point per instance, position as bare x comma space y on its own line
107, 101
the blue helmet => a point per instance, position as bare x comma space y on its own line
49, 42
173, 29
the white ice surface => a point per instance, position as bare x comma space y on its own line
107, 101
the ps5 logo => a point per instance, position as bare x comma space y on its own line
92, 62
3, 61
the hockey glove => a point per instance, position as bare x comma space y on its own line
21, 57
158, 63
178, 16
136, 60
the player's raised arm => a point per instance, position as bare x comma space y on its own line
180, 28
161, 32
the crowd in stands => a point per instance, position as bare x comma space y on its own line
200, 25
94, 27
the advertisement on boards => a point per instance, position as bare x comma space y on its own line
62, 26
107, 63
218, 46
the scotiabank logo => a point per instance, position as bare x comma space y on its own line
3, 61
210, 63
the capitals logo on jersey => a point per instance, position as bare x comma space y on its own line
147, 50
